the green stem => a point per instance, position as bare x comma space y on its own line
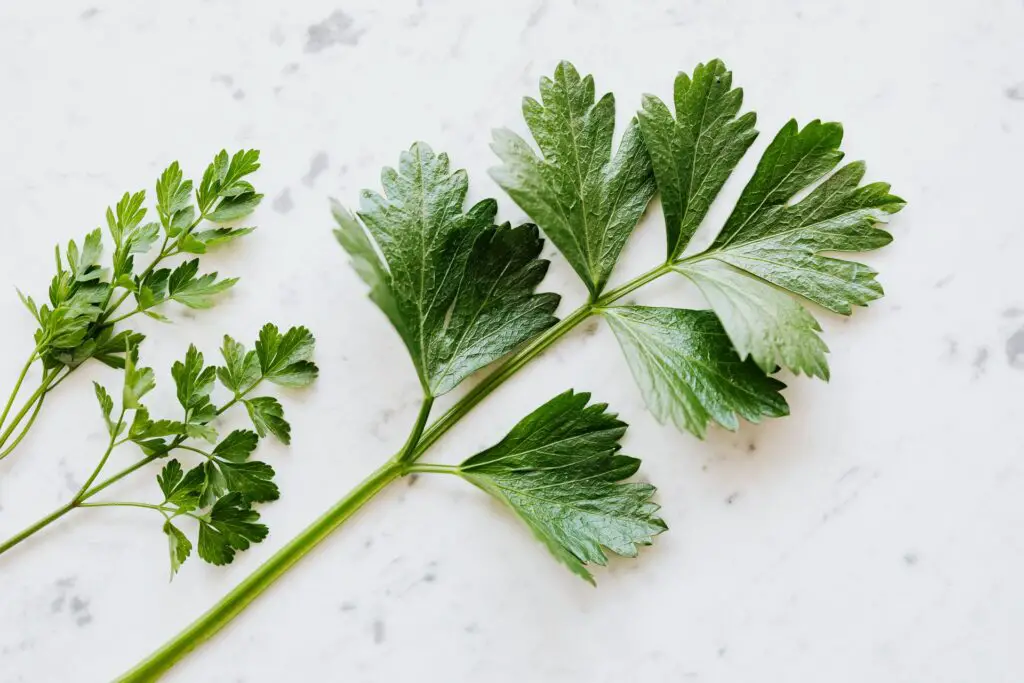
151, 668
17, 385
84, 495
437, 469
417, 430
404, 462
38, 526
103, 460
36, 396
124, 504
77, 501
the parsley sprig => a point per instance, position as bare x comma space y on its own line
85, 304
460, 291
218, 492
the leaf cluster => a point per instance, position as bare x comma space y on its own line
460, 289
217, 493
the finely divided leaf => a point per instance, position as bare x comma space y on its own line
688, 370
694, 153
583, 198
560, 471
458, 289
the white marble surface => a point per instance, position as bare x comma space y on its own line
875, 535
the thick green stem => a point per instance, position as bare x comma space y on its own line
234, 602
158, 663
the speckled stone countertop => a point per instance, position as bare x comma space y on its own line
877, 534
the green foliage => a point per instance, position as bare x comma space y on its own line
560, 471
688, 370
78, 319
458, 288
586, 200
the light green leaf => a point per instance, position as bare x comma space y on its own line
459, 289
106, 405
585, 200
694, 153
235, 207
762, 321
219, 236
688, 370
560, 471
137, 383
368, 265
178, 544
195, 292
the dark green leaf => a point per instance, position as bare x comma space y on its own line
694, 153
585, 200
193, 381
236, 446
768, 246
458, 289
232, 527
267, 416
560, 471
241, 368
285, 359
254, 480
183, 491
144, 428
110, 348
688, 370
